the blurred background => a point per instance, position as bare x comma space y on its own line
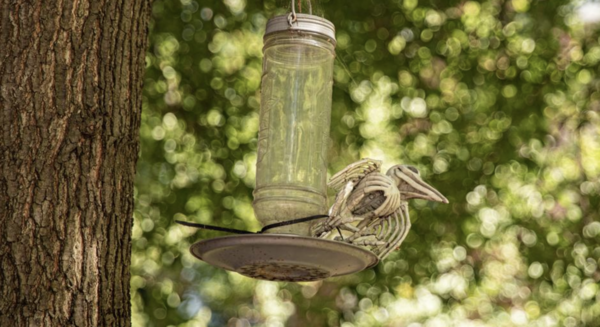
497, 103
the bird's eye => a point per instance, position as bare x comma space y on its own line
413, 169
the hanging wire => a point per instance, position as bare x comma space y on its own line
292, 18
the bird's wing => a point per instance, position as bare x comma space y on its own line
374, 198
340, 200
376, 194
370, 199
353, 173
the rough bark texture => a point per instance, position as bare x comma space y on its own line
70, 100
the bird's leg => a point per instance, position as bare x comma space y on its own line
348, 227
338, 222
340, 232
343, 219
362, 229
323, 230
350, 220
339, 213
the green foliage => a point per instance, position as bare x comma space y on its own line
497, 103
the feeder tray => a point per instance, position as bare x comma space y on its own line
283, 257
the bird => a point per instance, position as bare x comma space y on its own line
373, 207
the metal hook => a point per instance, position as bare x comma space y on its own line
292, 17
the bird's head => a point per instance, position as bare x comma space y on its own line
411, 186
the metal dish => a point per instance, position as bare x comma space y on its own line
283, 257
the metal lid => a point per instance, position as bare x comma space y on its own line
303, 22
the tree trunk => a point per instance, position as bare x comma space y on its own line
70, 100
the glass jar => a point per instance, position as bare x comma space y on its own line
295, 115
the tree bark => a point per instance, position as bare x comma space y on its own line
70, 100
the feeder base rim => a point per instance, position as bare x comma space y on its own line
283, 257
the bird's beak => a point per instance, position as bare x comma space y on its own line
415, 188
425, 192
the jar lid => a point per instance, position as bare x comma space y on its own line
303, 23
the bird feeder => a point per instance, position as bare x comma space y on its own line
291, 172
291, 169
